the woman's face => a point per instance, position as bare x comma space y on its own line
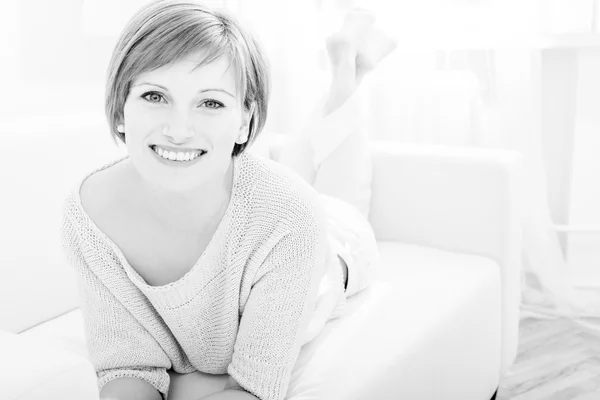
187, 109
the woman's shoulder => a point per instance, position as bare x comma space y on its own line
96, 193
272, 178
278, 190
92, 193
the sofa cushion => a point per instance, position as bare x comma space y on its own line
36, 371
427, 310
429, 327
64, 332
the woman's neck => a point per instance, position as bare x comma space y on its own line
188, 211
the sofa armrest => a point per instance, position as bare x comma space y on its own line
31, 370
453, 198
458, 199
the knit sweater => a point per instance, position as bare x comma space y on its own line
266, 284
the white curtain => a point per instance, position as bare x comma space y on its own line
460, 76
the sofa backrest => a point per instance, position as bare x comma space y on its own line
41, 163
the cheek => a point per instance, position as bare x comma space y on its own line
222, 128
138, 117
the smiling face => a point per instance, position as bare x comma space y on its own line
188, 108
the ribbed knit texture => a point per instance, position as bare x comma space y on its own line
265, 285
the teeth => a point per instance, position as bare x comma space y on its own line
180, 156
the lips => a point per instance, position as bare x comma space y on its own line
178, 163
153, 147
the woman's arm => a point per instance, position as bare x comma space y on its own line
129, 389
119, 345
276, 316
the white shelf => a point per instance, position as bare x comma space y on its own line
577, 228
570, 40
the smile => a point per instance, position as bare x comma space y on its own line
177, 158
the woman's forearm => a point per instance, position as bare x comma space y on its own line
231, 394
129, 389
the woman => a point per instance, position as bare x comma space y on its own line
195, 257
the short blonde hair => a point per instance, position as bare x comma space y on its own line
166, 31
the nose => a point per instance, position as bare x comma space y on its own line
179, 128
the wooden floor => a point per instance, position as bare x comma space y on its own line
557, 360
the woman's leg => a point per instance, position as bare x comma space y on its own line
332, 152
195, 385
353, 241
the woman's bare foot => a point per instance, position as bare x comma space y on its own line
374, 45
342, 56
353, 52
358, 25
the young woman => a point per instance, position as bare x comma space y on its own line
196, 258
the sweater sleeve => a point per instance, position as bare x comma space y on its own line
277, 313
118, 345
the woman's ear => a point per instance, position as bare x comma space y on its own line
244, 131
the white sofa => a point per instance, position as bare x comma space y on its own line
440, 321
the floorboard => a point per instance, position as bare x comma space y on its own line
557, 359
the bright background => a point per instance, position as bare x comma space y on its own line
516, 74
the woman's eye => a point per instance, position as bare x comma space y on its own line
213, 104
153, 97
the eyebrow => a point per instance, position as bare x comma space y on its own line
199, 91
